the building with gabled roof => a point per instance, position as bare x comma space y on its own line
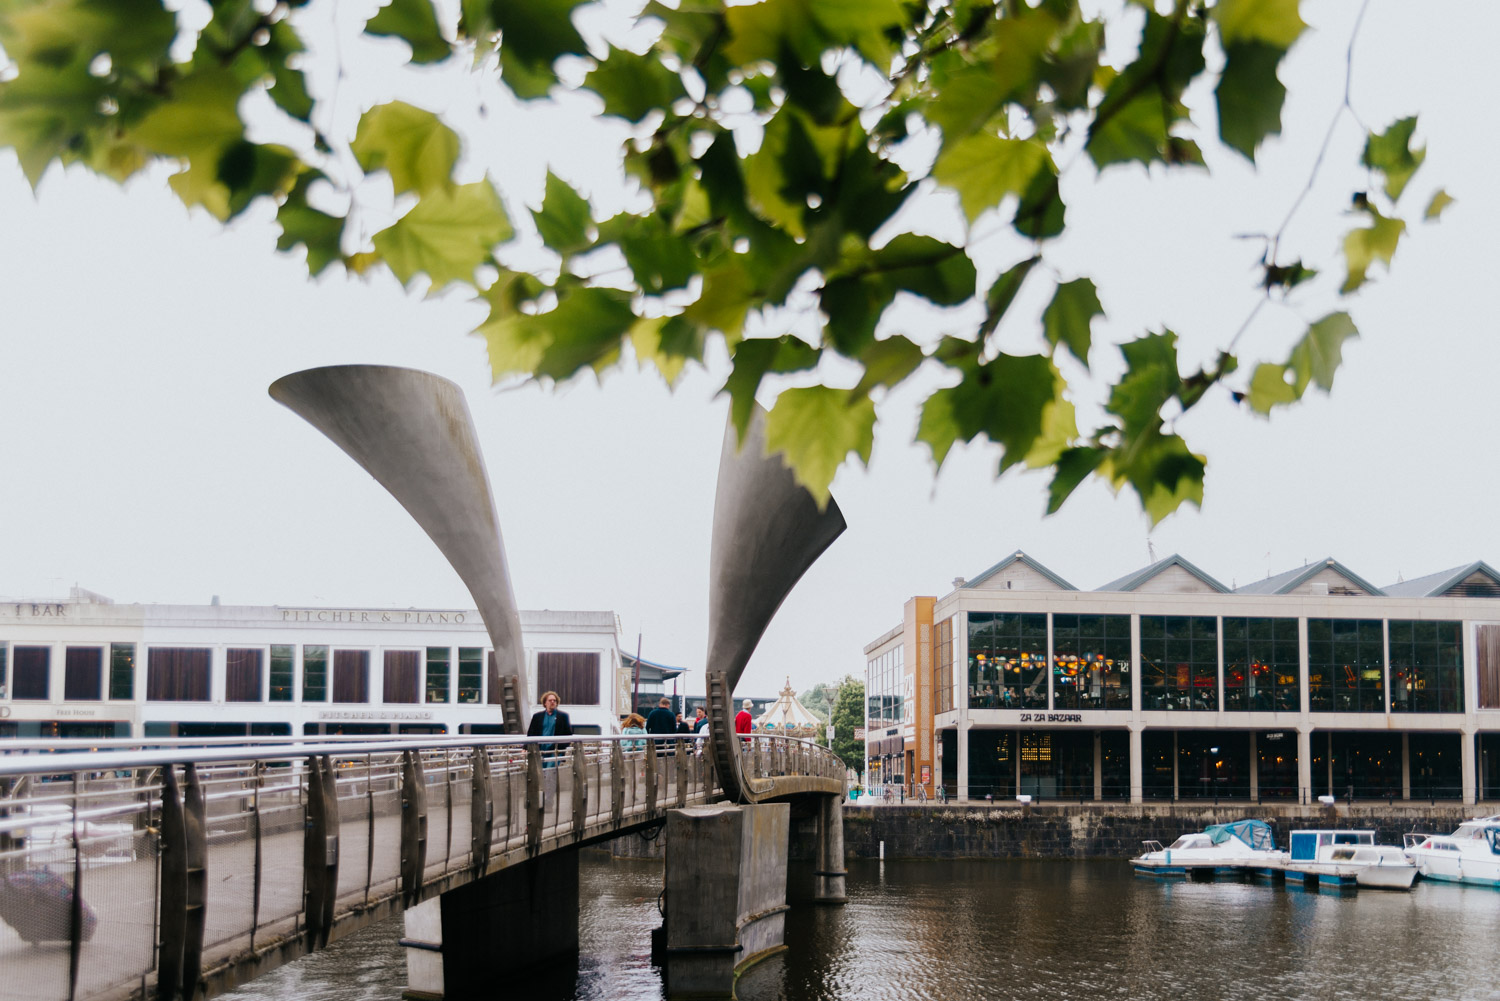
1165, 684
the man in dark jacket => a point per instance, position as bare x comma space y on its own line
662, 721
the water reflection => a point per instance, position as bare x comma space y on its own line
958, 930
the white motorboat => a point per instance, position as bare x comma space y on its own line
1348, 858
1221, 849
1470, 854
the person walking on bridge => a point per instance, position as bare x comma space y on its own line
550, 721
661, 720
742, 721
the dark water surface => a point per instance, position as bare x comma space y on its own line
958, 930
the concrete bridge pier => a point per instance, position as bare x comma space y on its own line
828, 877
466, 943
726, 874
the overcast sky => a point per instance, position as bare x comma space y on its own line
142, 458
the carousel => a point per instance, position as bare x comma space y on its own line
789, 717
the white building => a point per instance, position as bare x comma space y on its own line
86, 667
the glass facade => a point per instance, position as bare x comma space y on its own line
885, 689
1345, 665
1091, 661
1007, 660
1261, 665
1427, 666
1180, 662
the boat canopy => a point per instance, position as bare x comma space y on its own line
1255, 833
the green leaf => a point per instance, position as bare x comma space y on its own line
1273, 22
1068, 317
785, 170
1320, 352
136, 34
201, 118
814, 429
44, 112
887, 362
1136, 131
565, 217
752, 360
1390, 153
668, 343
1003, 292
1440, 200
1272, 386
864, 25
446, 236
409, 143
1151, 379
659, 260
1365, 246
1161, 470
724, 301
587, 325
1250, 96
533, 34
1136, 118
1073, 466
303, 225
633, 86
1059, 430
984, 168
1005, 400
247, 171
415, 23
962, 102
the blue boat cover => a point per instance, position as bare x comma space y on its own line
1255, 833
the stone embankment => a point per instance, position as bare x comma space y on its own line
1114, 830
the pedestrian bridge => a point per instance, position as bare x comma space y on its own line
200, 867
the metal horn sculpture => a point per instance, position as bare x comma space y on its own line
412, 431
767, 532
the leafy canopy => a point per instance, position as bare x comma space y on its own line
768, 162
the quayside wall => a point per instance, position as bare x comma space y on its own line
1074, 831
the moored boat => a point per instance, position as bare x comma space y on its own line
1470, 854
1348, 858
1220, 849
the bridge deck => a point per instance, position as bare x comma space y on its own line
107, 824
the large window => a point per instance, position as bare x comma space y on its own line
178, 674
885, 687
1007, 660
400, 677
1180, 662
573, 676
1427, 661
315, 674
122, 670
4, 668
283, 673
33, 665
1091, 661
1345, 665
942, 665
83, 674
1260, 665
242, 670
438, 673
351, 676
471, 673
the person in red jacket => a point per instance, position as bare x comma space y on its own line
742, 722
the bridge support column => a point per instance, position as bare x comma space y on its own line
459, 945
828, 879
726, 894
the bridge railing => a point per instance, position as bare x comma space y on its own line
132, 867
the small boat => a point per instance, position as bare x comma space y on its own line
1470, 854
1346, 859
1221, 849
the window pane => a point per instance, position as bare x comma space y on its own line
314, 674
400, 681
122, 670
470, 673
178, 674
33, 664
351, 676
283, 673
83, 673
573, 676
437, 673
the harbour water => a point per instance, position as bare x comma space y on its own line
1001, 929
